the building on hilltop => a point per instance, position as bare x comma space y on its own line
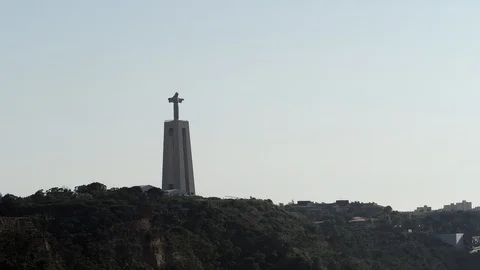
423, 209
449, 207
304, 203
464, 205
461, 206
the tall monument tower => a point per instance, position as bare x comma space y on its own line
177, 170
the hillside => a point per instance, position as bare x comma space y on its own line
93, 227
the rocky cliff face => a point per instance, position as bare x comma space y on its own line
25, 246
96, 228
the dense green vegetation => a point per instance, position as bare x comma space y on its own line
93, 227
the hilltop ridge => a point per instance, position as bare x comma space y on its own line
92, 227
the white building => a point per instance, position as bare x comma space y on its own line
454, 239
461, 206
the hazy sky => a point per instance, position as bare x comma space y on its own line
303, 100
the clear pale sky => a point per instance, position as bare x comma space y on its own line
303, 100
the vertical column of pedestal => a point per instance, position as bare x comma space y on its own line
170, 156
178, 163
177, 157
167, 151
187, 159
166, 158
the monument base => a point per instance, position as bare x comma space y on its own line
177, 172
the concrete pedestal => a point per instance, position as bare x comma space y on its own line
177, 170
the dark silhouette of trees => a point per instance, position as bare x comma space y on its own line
93, 227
